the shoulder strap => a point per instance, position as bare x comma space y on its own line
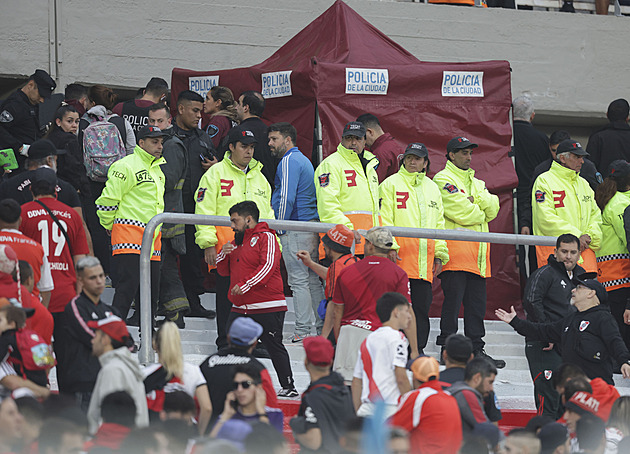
60, 225
122, 128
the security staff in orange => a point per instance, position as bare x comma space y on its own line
467, 205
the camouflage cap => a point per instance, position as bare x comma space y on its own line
380, 237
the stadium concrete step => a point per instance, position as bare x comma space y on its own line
513, 384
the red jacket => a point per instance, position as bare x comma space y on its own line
109, 435
255, 267
606, 395
432, 419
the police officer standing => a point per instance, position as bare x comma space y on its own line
467, 205
347, 184
410, 199
19, 115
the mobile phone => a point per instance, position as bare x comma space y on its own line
234, 404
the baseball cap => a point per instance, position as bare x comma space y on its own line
459, 143
235, 431
619, 168
45, 84
42, 149
339, 238
458, 348
593, 284
380, 237
424, 368
319, 350
551, 436
354, 128
583, 402
150, 131
244, 331
572, 146
44, 174
417, 149
489, 432
113, 326
241, 134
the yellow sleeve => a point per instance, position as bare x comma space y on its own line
386, 192
456, 205
327, 187
206, 203
545, 219
119, 181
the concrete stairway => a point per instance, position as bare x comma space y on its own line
513, 385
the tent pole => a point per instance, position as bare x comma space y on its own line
318, 126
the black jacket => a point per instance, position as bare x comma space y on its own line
261, 149
610, 143
18, 188
531, 147
70, 166
19, 124
197, 142
547, 296
77, 368
327, 405
589, 339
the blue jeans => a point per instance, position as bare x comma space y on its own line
305, 284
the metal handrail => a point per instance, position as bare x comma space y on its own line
146, 355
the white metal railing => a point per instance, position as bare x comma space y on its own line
146, 354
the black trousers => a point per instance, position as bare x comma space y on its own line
469, 288
541, 366
128, 286
172, 295
224, 309
617, 300
271, 337
421, 298
190, 267
100, 240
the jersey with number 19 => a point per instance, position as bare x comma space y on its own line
39, 225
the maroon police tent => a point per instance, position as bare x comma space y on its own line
340, 66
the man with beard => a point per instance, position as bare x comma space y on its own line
547, 298
252, 262
293, 199
235, 178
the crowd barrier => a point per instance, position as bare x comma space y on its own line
146, 354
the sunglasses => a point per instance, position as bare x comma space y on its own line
244, 384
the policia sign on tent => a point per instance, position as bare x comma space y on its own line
462, 83
362, 81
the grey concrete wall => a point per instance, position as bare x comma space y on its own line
569, 63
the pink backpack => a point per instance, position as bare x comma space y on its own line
103, 145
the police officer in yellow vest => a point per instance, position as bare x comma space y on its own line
613, 260
410, 199
563, 202
347, 184
236, 178
467, 205
133, 194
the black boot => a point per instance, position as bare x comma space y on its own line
197, 310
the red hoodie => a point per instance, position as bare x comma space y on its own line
109, 435
255, 267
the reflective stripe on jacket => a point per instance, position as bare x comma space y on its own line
133, 194
613, 260
563, 202
347, 194
413, 200
221, 187
455, 186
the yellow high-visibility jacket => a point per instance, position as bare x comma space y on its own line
456, 185
346, 194
133, 194
613, 260
563, 202
413, 200
222, 186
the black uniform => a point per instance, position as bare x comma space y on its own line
327, 405
18, 189
547, 299
610, 143
70, 165
136, 115
197, 142
19, 124
589, 339
261, 149
77, 367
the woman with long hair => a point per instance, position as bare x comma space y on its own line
618, 426
64, 135
613, 259
173, 374
219, 114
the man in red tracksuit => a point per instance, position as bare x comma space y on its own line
430, 415
252, 260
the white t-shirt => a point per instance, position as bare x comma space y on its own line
192, 378
386, 349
